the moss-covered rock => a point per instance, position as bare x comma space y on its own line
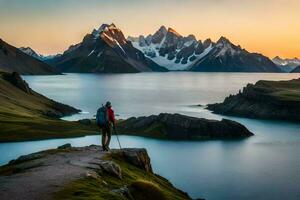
146, 190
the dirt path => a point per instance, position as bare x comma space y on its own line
42, 174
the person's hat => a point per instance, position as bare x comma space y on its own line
108, 104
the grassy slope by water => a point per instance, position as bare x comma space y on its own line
27, 115
264, 99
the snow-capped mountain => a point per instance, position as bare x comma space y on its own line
227, 57
104, 50
29, 51
286, 64
169, 49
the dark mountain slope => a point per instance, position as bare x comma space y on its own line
12, 59
296, 70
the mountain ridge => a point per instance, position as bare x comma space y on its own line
14, 60
104, 50
286, 64
176, 52
29, 51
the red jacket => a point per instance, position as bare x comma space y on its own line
111, 115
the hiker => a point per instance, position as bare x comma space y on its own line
105, 119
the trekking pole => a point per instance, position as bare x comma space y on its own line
117, 137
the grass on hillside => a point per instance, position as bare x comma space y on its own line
22, 116
142, 186
283, 90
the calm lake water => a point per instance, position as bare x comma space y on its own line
266, 166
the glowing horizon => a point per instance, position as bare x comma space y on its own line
50, 27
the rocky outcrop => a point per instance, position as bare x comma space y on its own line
176, 126
65, 146
65, 173
16, 80
111, 168
265, 99
138, 158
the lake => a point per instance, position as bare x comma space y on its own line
266, 166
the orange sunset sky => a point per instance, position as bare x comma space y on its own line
271, 27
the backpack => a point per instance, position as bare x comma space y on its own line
102, 117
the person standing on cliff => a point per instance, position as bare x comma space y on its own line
105, 120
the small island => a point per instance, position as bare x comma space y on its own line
265, 99
181, 127
85, 173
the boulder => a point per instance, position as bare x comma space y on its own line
138, 158
26, 158
111, 168
124, 192
93, 174
65, 146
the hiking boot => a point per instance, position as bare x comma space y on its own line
104, 148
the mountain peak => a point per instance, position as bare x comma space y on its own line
171, 30
276, 57
30, 51
27, 49
163, 29
113, 35
102, 28
159, 35
223, 40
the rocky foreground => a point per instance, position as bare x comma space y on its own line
85, 173
265, 99
176, 126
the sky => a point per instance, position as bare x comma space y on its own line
270, 27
